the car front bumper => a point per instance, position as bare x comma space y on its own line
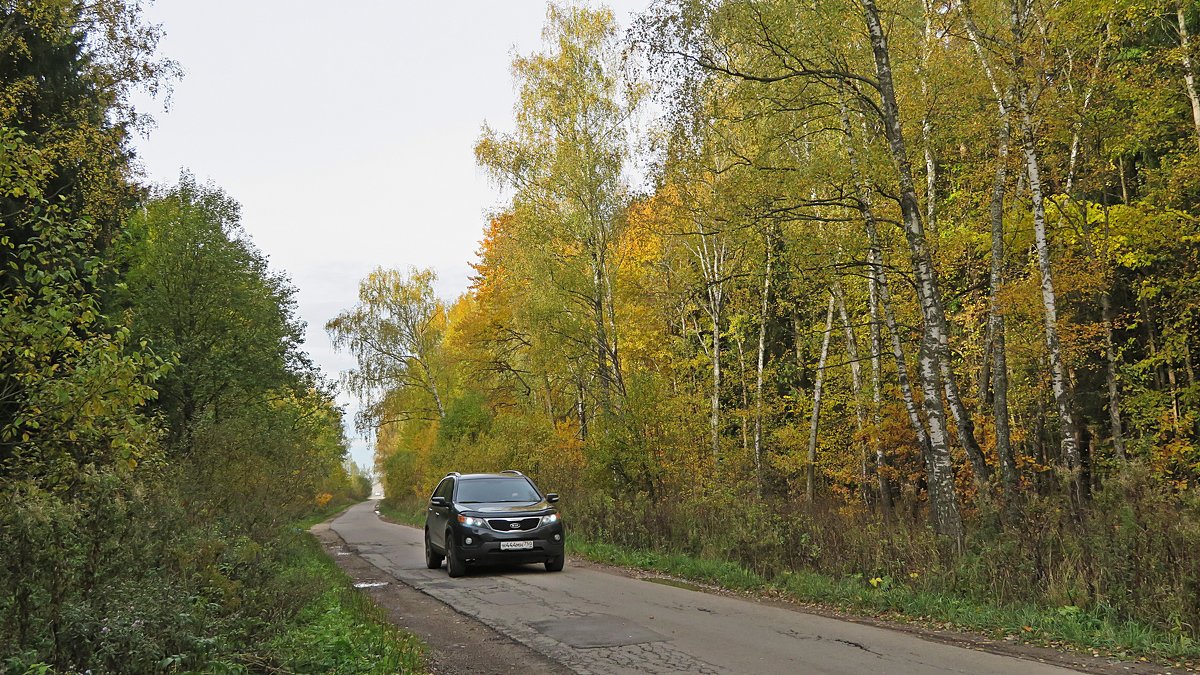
548, 542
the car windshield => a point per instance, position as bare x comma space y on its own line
481, 490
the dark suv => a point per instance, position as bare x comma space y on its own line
492, 518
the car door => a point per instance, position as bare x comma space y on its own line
439, 516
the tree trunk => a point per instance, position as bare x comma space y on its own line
581, 411
927, 123
745, 412
603, 376
860, 415
902, 374
762, 349
1187, 362
431, 384
810, 471
1008, 466
1060, 383
947, 519
983, 386
614, 348
1077, 127
963, 424
709, 251
1173, 381
1110, 378
1124, 186
880, 285
1189, 73
1000, 411
1151, 340
714, 420
881, 460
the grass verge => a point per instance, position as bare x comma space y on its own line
1092, 632
340, 630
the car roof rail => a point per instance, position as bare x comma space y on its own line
513, 472
453, 473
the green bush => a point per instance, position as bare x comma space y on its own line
121, 578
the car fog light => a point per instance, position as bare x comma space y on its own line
557, 537
468, 541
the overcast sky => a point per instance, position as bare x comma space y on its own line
346, 130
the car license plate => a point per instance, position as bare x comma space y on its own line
516, 545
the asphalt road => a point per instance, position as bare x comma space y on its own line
592, 621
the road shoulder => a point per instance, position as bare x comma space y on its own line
1085, 663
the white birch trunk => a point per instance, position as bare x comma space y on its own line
1000, 411
1008, 467
1189, 73
1060, 383
810, 471
963, 424
714, 420
881, 460
603, 376
947, 519
762, 348
710, 253
927, 123
745, 412
879, 285
860, 415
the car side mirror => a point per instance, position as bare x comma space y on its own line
437, 501
551, 497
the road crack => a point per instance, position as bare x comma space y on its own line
821, 638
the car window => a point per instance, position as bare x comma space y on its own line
481, 490
444, 488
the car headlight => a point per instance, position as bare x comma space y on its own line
549, 519
472, 521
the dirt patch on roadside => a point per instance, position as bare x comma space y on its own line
456, 644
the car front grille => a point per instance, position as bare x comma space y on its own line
506, 524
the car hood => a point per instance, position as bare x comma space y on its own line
494, 508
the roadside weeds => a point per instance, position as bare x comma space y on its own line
339, 630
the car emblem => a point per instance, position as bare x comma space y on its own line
514, 526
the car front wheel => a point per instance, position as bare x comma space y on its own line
455, 565
433, 559
556, 564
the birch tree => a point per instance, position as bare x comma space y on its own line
395, 333
565, 161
